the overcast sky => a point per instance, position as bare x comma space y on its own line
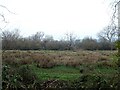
57, 17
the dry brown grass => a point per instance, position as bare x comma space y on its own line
51, 58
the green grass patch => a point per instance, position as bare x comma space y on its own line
69, 73
98, 68
105, 70
58, 72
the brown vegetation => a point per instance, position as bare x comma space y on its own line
51, 58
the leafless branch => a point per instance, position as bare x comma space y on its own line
4, 26
6, 9
114, 5
3, 18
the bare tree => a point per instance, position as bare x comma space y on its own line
116, 15
109, 34
70, 38
37, 39
116, 6
38, 36
10, 38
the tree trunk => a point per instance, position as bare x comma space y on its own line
119, 34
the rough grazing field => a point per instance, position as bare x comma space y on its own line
59, 69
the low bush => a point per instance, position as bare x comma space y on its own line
97, 82
10, 78
20, 78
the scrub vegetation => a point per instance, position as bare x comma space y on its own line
59, 69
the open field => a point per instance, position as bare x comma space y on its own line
59, 69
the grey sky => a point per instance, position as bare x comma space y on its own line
56, 17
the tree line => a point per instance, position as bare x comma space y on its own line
12, 40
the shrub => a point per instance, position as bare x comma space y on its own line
10, 78
91, 81
28, 77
